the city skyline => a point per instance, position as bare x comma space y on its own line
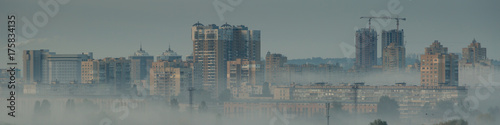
99, 34
250, 62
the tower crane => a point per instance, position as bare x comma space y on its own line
383, 17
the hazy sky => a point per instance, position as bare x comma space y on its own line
295, 28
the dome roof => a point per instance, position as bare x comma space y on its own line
141, 53
226, 25
198, 24
169, 52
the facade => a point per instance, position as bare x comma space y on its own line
307, 100
274, 66
42, 66
393, 58
392, 36
474, 53
393, 51
90, 71
355, 98
366, 49
474, 64
438, 67
107, 71
33, 63
244, 71
140, 63
170, 78
304, 109
213, 46
66, 68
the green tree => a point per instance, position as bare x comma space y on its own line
70, 106
37, 108
203, 107
454, 122
338, 114
441, 107
45, 107
387, 108
378, 122
174, 104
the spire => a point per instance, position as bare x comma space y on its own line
140, 47
169, 47
474, 41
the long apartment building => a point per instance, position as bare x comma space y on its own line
356, 98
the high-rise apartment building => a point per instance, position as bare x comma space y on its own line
438, 67
366, 49
244, 71
393, 51
474, 64
393, 58
274, 67
170, 78
474, 53
107, 71
33, 63
140, 63
392, 36
90, 72
213, 46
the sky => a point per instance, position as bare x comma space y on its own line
295, 28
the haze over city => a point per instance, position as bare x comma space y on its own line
250, 62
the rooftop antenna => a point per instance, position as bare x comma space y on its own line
140, 46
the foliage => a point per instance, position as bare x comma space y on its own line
203, 107
454, 122
378, 122
387, 108
45, 107
174, 105
70, 106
